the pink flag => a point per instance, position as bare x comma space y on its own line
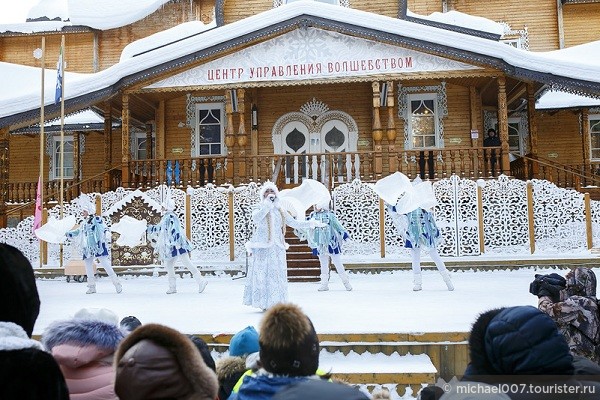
37, 216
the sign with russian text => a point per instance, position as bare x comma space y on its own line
311, 53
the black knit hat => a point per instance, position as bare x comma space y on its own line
288, 342
19, 299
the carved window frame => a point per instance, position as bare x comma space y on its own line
594, 119
518, 38
50, 151
191, 122
441, 110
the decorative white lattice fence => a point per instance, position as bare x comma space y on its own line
491, 217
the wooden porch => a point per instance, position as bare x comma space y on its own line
289, 170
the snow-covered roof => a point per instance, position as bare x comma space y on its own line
553, 100
457, 18
53, 15
166, 37
85, 89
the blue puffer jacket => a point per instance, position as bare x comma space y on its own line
264, 386
517, 341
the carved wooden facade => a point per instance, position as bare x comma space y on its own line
372, 112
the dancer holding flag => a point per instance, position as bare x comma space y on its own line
408, 205
92, 233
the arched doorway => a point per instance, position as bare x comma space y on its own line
319, 143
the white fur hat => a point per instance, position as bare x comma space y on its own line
268, 185
86, 204
98, 314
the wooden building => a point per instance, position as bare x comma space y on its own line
237, 91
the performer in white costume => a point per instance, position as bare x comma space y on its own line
326, 243
92, 234
266, 283
419, 230
171, 244
408, 204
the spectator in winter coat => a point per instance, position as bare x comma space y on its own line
204, 351
27, 372
242, 361
318, 389
572, 304
158, 362
521, 344
84, 348
289, 353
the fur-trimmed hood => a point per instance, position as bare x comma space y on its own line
83, 332
183, 373
14, 337
265, 186
517, 341
230, 366
229, 371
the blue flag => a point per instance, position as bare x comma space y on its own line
59, 74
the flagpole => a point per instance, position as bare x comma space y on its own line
62, 133
42, 139
62, 124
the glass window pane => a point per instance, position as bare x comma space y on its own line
210, 133
295, 140
210, 129
67, 158
595, 138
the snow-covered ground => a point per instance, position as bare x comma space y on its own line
380, 303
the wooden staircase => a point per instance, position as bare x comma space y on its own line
303, 266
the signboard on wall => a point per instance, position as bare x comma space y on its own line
310, 53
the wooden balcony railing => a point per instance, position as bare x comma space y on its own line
287, 170
329, 168
24, 193
573, 176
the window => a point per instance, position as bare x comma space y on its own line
517, 135
516, 43
140, 149
517, 38
514, 136
67, 157
210, 129
595, 136
423, 121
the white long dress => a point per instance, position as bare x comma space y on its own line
266, 283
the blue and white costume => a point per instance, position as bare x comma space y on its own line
326, 243
170, 243
92, 234
419, 230
266, 283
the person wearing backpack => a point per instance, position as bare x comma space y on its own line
571, 302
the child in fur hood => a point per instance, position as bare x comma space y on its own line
158, 362
84, 347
